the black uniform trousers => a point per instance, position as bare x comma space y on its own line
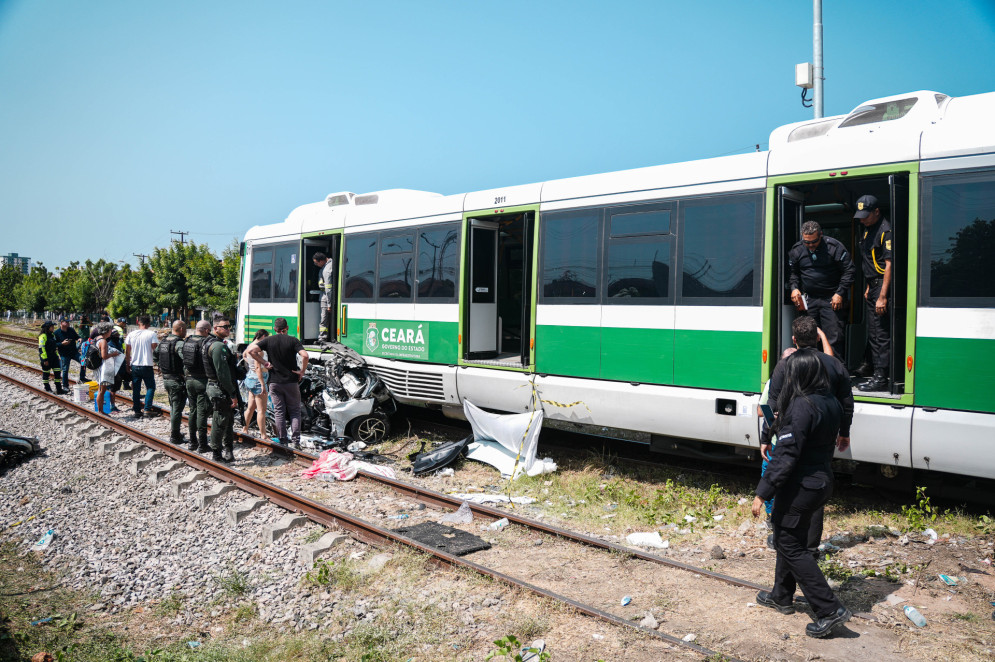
878, 328
797, 520
830, 321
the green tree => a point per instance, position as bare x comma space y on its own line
10, 278
214, 282
101, 278
32, 292
135, 293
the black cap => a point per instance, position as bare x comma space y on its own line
47, 323
865, 205
121, 320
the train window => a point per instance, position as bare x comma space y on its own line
632, 224
285, 265
638, 259
570, 256
438, 263
884, 111
262, 274
397, 262
721, 249
958, 240
360, 266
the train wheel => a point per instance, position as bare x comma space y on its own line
370, 429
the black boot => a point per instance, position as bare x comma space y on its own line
824, 626
227, 455
204, 445
193, 442
47, 386
58, 389
865, 370
216, 455
878, 382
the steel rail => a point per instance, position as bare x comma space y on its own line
19, 340
331, 517
439, 500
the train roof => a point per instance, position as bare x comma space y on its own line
941, 131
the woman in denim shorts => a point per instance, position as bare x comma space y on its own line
255, 384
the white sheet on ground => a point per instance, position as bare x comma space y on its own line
498, 439
493, 498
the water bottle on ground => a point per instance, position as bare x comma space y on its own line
913, 615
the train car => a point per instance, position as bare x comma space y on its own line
651, 304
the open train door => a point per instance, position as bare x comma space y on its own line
482, 309
791, 214
898, 186
330, 245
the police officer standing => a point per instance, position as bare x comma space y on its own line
196, 380
325, 281
222, 389
820, 275
876, 255
169, 359
49, 357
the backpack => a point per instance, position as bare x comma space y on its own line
93, 358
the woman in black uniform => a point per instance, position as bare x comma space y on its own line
800, 480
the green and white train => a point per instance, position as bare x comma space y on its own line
650, 304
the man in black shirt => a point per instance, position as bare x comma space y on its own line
820, 276
876, 254
283, 351
66, 337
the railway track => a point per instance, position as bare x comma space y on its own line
372, 534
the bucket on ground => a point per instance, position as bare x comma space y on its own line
81, 394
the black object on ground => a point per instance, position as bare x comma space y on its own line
439, 457
445, 538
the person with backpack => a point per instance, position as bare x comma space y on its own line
84, 334
66, 339
223, 375
196, 381
168, 358
105, 359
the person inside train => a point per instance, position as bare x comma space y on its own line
800, 480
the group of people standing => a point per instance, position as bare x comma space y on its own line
809, 406
821, 274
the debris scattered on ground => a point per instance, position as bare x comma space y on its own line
493, 498
626, 601
498, 525
649, 621
445, 538
717, 552
648, 539
462, 515
507, 442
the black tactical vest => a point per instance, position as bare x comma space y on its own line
193, 360
169, 363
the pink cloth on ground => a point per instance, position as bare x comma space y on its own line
343, 466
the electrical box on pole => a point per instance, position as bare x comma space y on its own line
803, 76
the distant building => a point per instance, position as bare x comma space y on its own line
16, 261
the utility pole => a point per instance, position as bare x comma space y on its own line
809, 76
182, 234
817, 55
141, 257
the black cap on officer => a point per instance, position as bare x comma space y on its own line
47, 324
865, 205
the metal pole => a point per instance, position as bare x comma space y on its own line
817, 56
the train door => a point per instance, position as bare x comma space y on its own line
497, 314
832, 204
311, 292
791, 212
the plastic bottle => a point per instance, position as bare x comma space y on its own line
913, 615
401, 516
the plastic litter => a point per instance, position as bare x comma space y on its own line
506, 441
913, 615
689, 637
931, 534
401, 516
355, 446
690, 518
626, 601
533, 651
463, 515
499, 525
948, 580
193, 644
446, 473
44, 542
42, 621
648, 539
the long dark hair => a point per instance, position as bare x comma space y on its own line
804, 376
261, 333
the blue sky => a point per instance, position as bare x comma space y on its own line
122, 120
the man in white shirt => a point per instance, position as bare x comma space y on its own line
139, 348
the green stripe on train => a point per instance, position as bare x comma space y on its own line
252, 323
955, 373
430, 342
722, 360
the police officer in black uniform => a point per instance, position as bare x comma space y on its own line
820, 275
800, 480
196, 380
876, 256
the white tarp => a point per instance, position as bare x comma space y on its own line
500, 438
